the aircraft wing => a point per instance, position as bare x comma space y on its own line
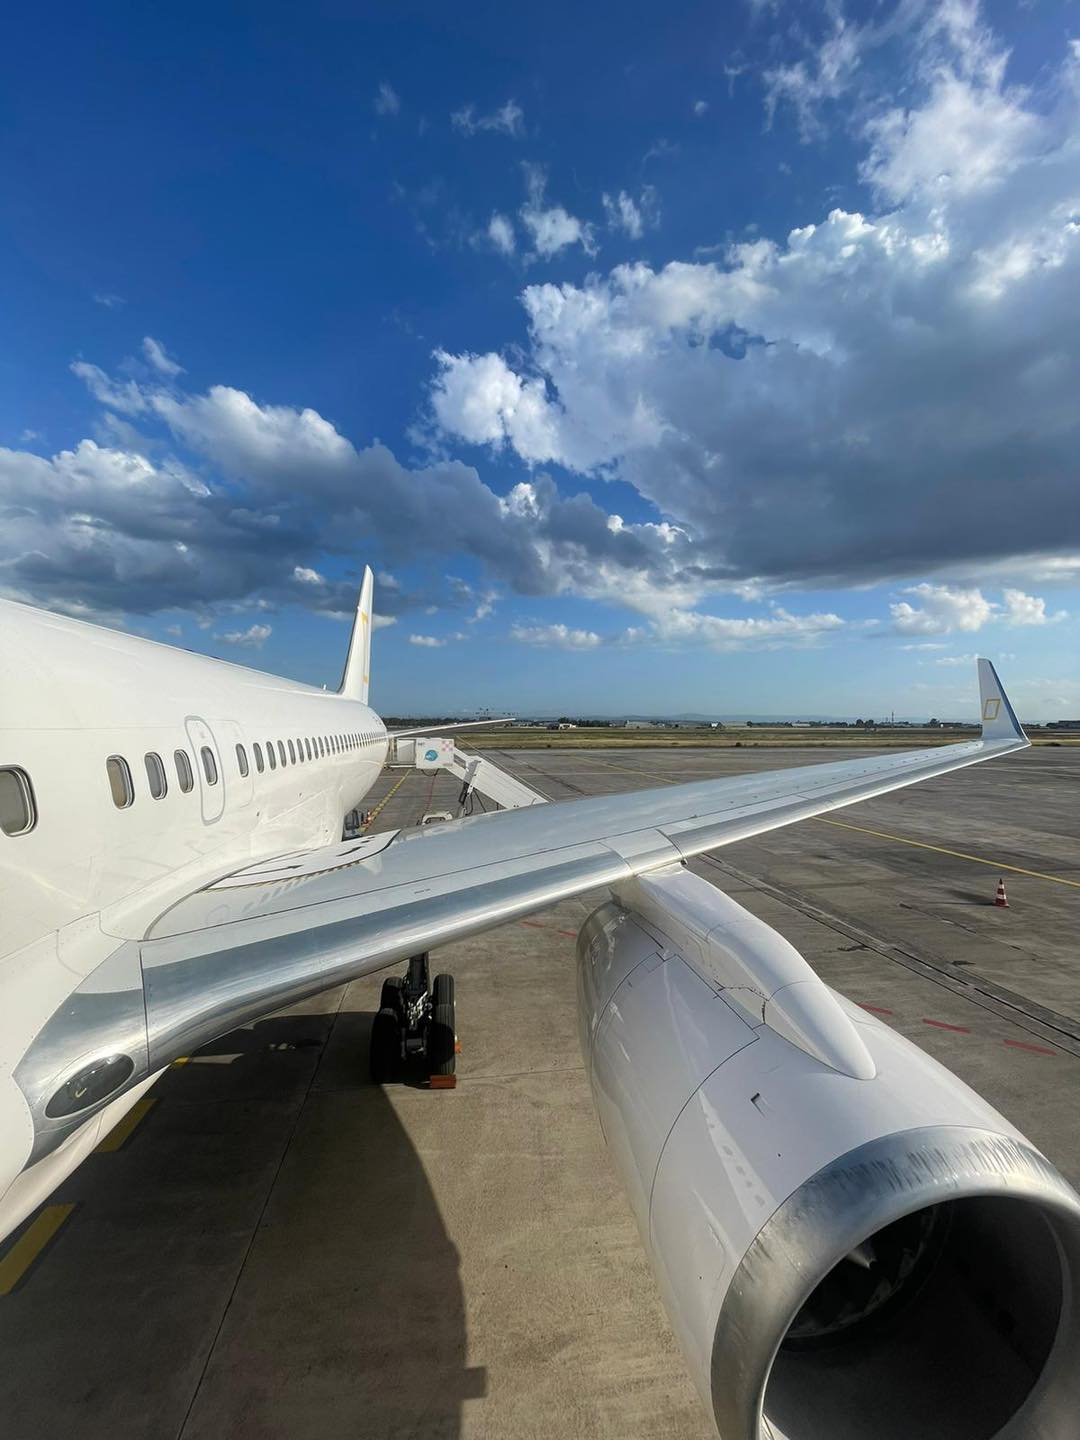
283, 929
436, 729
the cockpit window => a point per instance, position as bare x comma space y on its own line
17, 812
123, 791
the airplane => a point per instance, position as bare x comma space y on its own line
849, 1240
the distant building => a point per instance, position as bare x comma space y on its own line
1064, 725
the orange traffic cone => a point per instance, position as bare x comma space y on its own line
1000, 898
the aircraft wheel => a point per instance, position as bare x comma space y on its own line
441, 1039
385, 1055
442, 990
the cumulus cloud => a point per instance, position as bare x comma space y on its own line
229, 501
550, 227
253, 638
699, 109
157, 357
427, 642
560, 637
941, 609
877, 396
508, 119
386, 100
1021, 609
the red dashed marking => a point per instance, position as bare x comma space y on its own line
538, 925
964, 1030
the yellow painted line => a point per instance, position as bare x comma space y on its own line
630, 770
121, 1131
182, 1060
957, 854
30, 1244
388, 796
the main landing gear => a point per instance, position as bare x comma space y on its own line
414, 1029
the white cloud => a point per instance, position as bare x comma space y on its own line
824, 75
306, 576
552, 228
966, 662
508, 119
501, 234
427, 642
123, 395
380, 622
108, 300
943, 608
1021, 609
858, 378
253, 638
560, 637
156, 356
779, 628
386, 100
700, 108
623, 213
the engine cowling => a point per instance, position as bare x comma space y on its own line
850, 1242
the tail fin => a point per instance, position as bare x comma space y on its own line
999, 720
354, 681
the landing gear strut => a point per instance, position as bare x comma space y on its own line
414, 1029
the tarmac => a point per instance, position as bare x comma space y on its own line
273, 1247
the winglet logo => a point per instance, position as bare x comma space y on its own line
431, 754
990, 709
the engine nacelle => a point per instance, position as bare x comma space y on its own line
849, 1241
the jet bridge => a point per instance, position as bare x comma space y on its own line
477, 775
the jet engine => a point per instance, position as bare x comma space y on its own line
850, 1242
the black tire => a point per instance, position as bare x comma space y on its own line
385, 1055
390, 999
441, 1041
442, 990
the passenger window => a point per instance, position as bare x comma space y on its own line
17, 811
123, 791
155, 774
209, 765
241, 759
307, 748
281, 753
258, 757
270, 754
292, 753
185, 778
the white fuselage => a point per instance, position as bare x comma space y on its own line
90, 875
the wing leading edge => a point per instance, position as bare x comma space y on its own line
285, 929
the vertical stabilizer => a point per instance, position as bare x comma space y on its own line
354, 682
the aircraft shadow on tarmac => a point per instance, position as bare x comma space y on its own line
265, 1257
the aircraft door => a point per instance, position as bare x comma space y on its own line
211, 791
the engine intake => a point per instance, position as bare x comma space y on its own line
849, 1241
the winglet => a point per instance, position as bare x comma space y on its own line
999, 720
354, 681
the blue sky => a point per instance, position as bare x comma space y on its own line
657, 358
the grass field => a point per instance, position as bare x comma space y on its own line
757, 736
